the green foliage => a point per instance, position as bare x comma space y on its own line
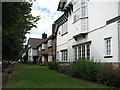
17, 20
109, 76
53, 65
65, 68
33, 76
85, 69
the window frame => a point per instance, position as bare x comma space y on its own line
50, 43
64, 28
108, 47
64, 56
80, 53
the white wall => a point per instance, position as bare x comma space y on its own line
101, 11
98, 13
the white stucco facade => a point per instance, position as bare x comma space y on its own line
96, 32
31, 53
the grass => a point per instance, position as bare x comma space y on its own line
31, 76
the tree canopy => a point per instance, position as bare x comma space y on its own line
17, 20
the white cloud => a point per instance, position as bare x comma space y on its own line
47, 9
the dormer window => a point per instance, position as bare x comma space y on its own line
43, 46
49, 43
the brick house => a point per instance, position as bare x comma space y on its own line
47, 49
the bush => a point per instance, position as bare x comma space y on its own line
109, 76
53, 65
65, 68
85, 69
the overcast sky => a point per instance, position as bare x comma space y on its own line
47, 9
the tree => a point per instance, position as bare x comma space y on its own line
17, 20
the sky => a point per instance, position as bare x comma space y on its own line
47, 9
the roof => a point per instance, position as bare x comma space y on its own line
61, 5
45, 40
34, 42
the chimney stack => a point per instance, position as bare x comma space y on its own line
44, 36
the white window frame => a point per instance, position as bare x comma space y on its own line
39, 49
43, 46
64, 56
78, 51
65, 28
79, 10
49, 43
108, 46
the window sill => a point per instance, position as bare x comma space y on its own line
108, 56
64, 34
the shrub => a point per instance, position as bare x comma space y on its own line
85, 69
65, 68
109, 76
53, 65
106, 75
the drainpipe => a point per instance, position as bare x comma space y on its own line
118, 43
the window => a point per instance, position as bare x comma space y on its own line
83, 51
64, 28
79, 52
64, 55
57, 55
108, 46
75, 53
79, 9
83, 9
49, 43
77, 15
49, 58
39, 49
76, 5
88, 51
43, 46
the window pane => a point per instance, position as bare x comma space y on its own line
108, 46
88, 51
83, 51
79, 52
75, 53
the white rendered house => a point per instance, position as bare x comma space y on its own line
90, 29
32, 49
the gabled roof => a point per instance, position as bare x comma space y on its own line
45, 40
34, 42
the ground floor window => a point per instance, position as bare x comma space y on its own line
64, 55
108, 46
82, 51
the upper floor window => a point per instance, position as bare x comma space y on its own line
39, 49
108, 46
43, 46
49, 43
76, 5
80, 9
64, 28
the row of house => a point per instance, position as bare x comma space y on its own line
88, 28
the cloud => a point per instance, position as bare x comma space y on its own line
47, 9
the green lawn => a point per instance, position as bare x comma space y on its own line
31, 76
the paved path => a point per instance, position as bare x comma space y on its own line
5, 74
